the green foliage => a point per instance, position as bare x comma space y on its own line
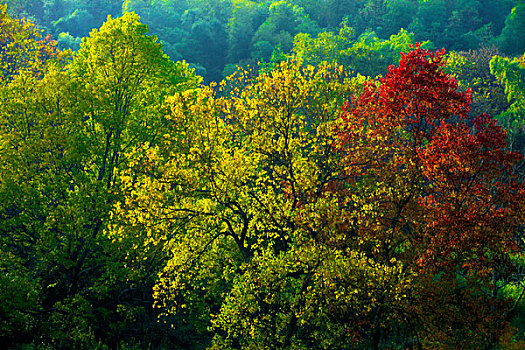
19, 294
472, 69
213, 34
372, 56
78, 22
64, 131
284, 21
511, 72
329, 13
247, 16
66, 41
512, 39
399, 14
367, 55
327, 46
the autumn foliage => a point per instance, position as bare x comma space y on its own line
442, 196
294, 224
296, 207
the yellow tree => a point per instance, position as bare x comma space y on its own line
22, 46
239, 197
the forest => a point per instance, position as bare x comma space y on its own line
277, 174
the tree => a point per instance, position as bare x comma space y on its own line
216, 197
430, 21
371, 16
511, 73
284, 21
63, 138
327, 46
206, 44
512, 39
330, 13
472, 70
24, 58
372, 56
367, 55
22, 47
440, 200
462, 25
75, 18
399, 14
247, 16
495, 11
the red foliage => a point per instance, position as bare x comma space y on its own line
468, 193
445, 199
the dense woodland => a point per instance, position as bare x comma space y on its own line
216, 36
328, 174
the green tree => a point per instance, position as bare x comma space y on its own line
206, 44
495, 12
247, 16
283, 22
327, 46
77, 23
372, 56
512, 39
462, 25
430, 21
399, 14
78, 17
511, 73
64, 136
472, 70
371, 16
329, 13
367, 55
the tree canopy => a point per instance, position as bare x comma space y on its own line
329, 193
214, 36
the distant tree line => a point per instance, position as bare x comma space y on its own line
215, 36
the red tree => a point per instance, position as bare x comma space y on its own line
438, 195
